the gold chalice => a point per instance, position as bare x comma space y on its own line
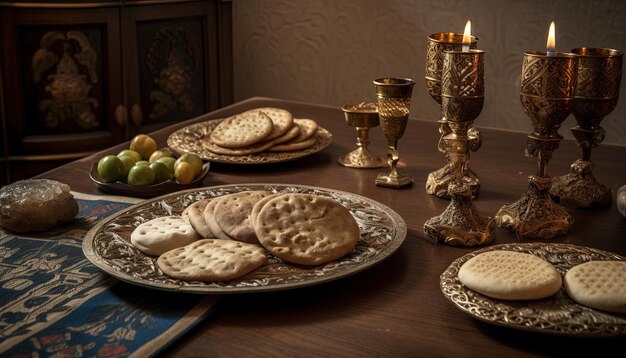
462, 91
362, 116
547, 96
597, 93
438, 181
393, 103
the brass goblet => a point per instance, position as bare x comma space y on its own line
462, 94
597, 93
362, 117
438, 181
547, 96
393, 103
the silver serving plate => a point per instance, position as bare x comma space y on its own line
557, 314
189, 139
107, 245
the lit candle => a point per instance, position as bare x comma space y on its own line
551, 45
467, 36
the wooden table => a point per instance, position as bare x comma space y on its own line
395, 308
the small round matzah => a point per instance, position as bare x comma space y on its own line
259, 205
289, 146
308, 128
209, 217
212, 260
510, 275
232, 214
282, 121
162, 234
306, 229
598, 284
195, 215
242, 130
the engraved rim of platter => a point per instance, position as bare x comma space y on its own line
189, 139
557, 314
107, 245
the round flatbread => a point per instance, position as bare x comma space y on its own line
232, 214
510, 275
282, 121
258, 206
306, 229
195, 215
598, 284
253, 149
209, 217
162, 234
308, 128
242, 130
291, 146
212, 260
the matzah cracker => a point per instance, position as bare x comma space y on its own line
232, 214
242, 130
598, 284
195, 215
282, 121
259, 205
306, 229
308, 128
162, 234
212, 260
290, 146
510, 275
209, 217
253, 149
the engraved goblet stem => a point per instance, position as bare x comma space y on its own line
438, 181
393, 102
547, 96
597, 94
462, 101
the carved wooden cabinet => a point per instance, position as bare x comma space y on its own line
81, 76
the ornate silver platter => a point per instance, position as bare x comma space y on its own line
108, 246
189, 139
558, 314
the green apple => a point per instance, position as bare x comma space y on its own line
141, 175
110, 169
169, 162
161, 172
130, 153
128, 163
161, 153
194, 160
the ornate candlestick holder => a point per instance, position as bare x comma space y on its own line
462, 94
597, 93
393, 103
438, 181
362, 117
547, 96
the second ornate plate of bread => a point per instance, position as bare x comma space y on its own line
554, 312
300, 244
257, 136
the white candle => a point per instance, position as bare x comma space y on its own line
551, 45
467, 36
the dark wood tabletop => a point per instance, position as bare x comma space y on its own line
395, 308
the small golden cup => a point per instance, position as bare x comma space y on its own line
362, 116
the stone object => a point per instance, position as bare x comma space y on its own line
36, 205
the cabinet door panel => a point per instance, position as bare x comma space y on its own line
63, 79
171, 63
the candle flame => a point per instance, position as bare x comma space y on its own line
551, 45
467, 34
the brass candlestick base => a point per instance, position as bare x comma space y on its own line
597, 93
534, 215
438, 181
460, 224
362, 117
580, 188
462, 101
547, 96
393, 103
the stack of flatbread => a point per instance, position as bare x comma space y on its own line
261, 130
223, 238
